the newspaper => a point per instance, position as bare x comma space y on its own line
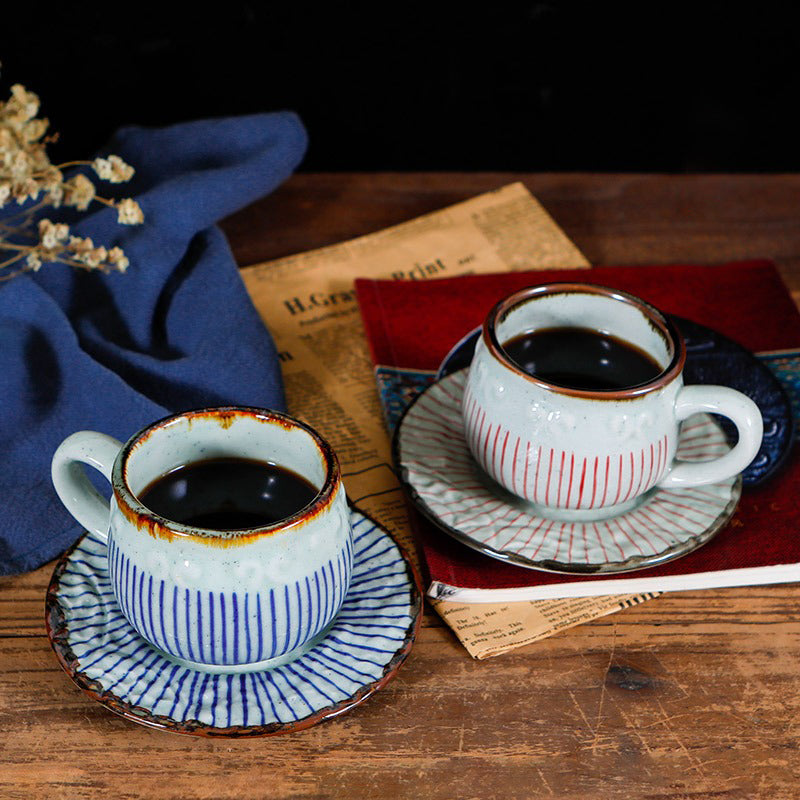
309, 304
490, 629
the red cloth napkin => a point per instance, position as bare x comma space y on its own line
413, 325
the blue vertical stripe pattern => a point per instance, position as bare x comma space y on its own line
219, 627
372, 626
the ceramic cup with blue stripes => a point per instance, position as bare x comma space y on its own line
227, 601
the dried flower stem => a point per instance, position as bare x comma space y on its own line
11, 260
26, 175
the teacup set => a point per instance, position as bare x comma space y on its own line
231, 630
228, 588
570, 443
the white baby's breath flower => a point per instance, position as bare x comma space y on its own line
83, 250
27, 103
55, 196
52, 235
129, 212
79, 192
21, 164
118, 259
52, 177
26, 174
34, 129
113, 169
25, 189
38, 154
54, 189
94, 257
80, 243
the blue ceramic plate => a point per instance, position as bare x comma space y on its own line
711, 358
362, 651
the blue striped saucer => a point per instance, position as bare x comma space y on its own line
361, 652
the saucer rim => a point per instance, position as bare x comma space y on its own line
58, 633
631, 564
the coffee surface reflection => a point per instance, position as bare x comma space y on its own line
228, 494
581, 358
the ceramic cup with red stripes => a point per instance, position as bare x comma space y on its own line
581, 453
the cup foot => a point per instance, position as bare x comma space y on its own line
588, 514
253, 666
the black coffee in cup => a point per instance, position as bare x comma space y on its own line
228, 494
581, 358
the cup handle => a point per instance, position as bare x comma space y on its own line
72, 485
741, 410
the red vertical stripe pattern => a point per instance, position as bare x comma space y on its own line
558, 478
435, 457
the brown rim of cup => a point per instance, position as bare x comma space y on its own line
671, 335
143, 518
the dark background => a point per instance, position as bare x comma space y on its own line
529, 86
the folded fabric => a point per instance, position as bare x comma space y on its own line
115, 352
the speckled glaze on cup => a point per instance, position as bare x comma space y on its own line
226, 601
579, 454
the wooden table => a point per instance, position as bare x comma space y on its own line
691, 695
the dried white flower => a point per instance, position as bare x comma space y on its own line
51, 235
34, 129
79, 192
21, 165
79, 244
52, 178
25, 189
26, 174
129, 212
56, 195
26, 103
118, 259
94, 257
113, 169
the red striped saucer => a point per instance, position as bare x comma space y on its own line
449, 488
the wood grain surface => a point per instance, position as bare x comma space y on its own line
692, 695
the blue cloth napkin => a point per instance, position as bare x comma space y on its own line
115, 352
